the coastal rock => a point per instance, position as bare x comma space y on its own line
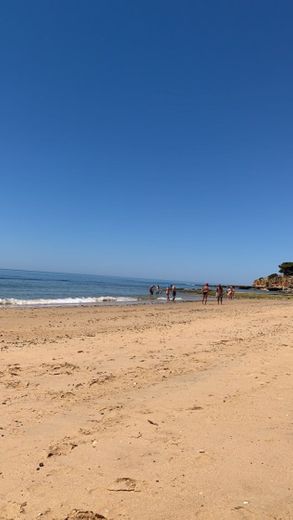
274, 282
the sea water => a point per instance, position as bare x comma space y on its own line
35, 288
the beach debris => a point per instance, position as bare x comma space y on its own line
153, 422
195, 407
123, 484
201, 451
94, 444
78, 514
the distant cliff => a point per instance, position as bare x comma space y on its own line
274, 282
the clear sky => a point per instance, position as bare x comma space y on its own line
148, 138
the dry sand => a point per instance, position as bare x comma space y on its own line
170, 412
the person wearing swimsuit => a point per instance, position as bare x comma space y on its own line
168, 293
174, 291
219, 294
205, 293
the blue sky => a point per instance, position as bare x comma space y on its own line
149, 139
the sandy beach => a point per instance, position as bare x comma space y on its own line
162, 412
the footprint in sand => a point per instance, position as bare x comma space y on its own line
12, 384
123, 484
78, 514
14, 369
61, 395
102, 377
62, 448
59, 369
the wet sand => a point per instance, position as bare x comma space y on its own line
165, 412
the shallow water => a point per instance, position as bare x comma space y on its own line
35, 288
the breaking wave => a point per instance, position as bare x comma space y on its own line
53, 302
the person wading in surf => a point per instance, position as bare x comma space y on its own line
174, 291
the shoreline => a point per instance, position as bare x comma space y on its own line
138, 301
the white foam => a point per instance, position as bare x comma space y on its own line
162, 298
126, 299
102, 299
43, 302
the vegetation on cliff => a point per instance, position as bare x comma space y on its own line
286, 268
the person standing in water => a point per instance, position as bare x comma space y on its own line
219, 294
152, 290
205, 293
174, 291
168, 293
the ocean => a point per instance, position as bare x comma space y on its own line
35, 288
